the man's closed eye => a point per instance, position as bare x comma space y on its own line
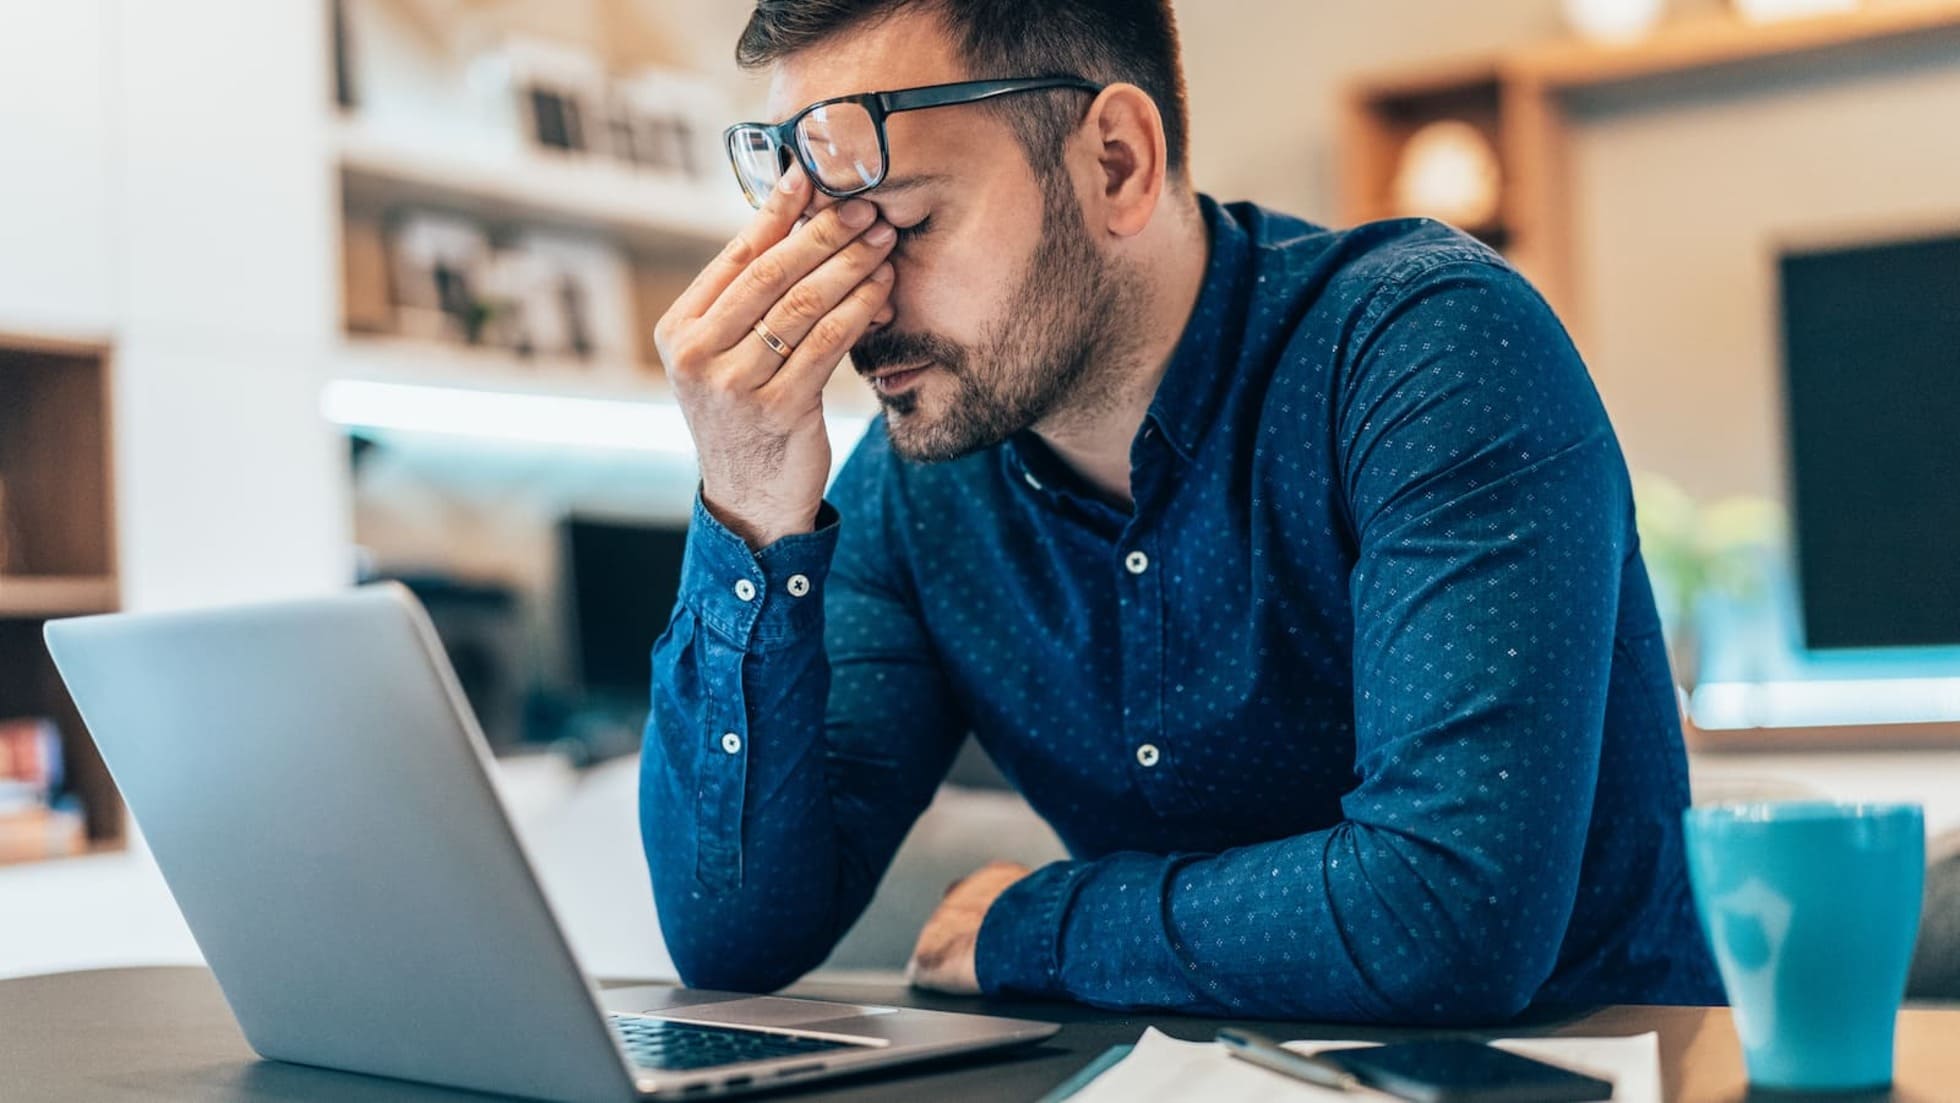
917, 230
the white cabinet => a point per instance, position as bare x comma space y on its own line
167, 188
231, 484
57, 273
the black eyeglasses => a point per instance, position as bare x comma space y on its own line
841, 142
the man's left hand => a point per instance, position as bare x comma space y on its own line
943, 959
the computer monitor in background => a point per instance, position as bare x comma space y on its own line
621, 581
1871, 343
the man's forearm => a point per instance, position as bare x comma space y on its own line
799, 727
1349, 924
734, 810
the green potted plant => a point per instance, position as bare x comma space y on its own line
1697, 551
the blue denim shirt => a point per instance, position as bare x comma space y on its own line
1361, 713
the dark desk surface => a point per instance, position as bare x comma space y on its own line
165, 1034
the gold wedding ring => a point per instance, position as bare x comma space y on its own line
776, 344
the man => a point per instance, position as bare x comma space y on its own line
1289, 573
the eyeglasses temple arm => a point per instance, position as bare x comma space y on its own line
946, 95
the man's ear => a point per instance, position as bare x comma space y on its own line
1127, 133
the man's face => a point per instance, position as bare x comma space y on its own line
1004, 304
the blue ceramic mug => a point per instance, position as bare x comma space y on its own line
1812, 910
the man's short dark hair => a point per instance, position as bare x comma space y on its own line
1103, 40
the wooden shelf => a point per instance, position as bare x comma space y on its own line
41, 835
42, 596
432, 364
572, 192
1836, 737
1530, 124
86, 347
1723, 39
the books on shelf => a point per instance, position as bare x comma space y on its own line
30, 772
30, 758
38, 833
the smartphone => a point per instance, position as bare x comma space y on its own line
1453, 1070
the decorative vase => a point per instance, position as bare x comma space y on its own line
1613, 20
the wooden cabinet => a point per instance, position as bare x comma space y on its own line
57, 541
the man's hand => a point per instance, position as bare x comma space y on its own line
943, 959
756, 414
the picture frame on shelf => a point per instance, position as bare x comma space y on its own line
438, 262
561, 96
529, 292
663, 121
676, 122
577, 302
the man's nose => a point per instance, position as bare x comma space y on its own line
818, 203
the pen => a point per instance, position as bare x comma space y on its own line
1264, 1052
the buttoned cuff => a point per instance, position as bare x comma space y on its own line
1018, 950
757, 600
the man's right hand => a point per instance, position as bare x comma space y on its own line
757, 416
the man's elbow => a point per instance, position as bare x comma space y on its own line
727, 971
1457, 984
730, 942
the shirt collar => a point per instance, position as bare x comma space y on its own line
1198, 376
1196, 380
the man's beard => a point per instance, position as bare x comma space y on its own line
1061, 336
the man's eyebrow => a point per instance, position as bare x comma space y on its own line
909, 182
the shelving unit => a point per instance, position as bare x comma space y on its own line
431, 364
59, 548
1520, 100
436, 364
643, 210
665, 228
391, 163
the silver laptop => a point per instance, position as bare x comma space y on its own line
315, 789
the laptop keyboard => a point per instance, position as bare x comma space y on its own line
664, 1044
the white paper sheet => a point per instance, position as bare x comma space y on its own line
1164, 1068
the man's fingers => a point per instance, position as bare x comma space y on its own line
749, 363
798, 311
809, 367
780, 268
770, 225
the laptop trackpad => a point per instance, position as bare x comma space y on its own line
749, 1010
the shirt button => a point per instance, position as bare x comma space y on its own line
731, 742
745, 589
1147, 755
1137, 562
1032, 481
798, 585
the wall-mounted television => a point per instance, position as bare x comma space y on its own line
1871, 356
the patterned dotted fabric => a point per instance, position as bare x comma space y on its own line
1361, 713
